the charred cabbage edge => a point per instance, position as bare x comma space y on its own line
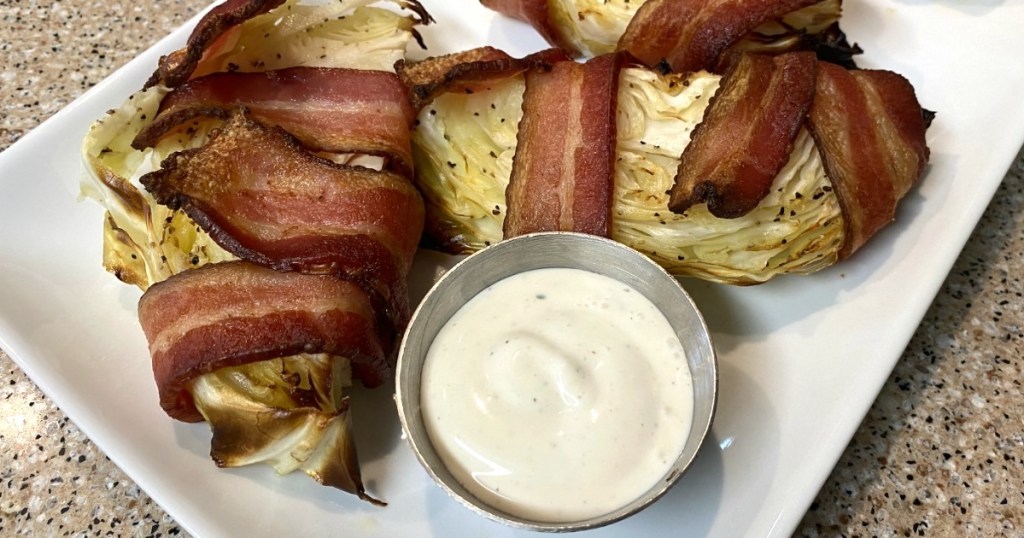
290, 432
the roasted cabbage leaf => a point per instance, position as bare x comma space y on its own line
593, 27
464, 145
289, 412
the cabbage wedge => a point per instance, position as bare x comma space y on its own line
593, 27
289, 412
464, 144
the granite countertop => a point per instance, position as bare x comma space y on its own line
940, 453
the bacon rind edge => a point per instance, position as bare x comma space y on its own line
466, 71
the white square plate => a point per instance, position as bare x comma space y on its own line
802, 358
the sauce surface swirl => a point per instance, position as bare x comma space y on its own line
557, 395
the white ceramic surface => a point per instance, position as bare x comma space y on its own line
801, 358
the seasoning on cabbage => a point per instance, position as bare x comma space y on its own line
464, 145
593, 27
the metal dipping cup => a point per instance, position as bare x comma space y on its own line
538, 251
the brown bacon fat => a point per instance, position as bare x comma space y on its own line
265, 199
467, 71
870, 129
682, 35
746, 135
564, 161
332, 110
177, 67
235, 313
690, 35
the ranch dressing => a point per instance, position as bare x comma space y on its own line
557, 395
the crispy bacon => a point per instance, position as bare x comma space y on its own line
870, 130
562, 170
533, 12
235, 313
690, 35
467, 71
176, 67
217, 28
746, 135
333, 110
267, 200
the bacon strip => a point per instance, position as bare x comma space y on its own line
690, 35
746, 135
235, 313
870, 130
562, 170
533, 12
176, 67
334, 110
467, 71
265, 199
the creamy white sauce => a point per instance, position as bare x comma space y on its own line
557, 395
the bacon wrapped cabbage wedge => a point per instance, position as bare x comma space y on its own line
685, 35
145, 242
281, 401
782, 212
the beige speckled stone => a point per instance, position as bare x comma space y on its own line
53, 480
941, 453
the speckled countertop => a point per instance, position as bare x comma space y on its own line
941, 453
